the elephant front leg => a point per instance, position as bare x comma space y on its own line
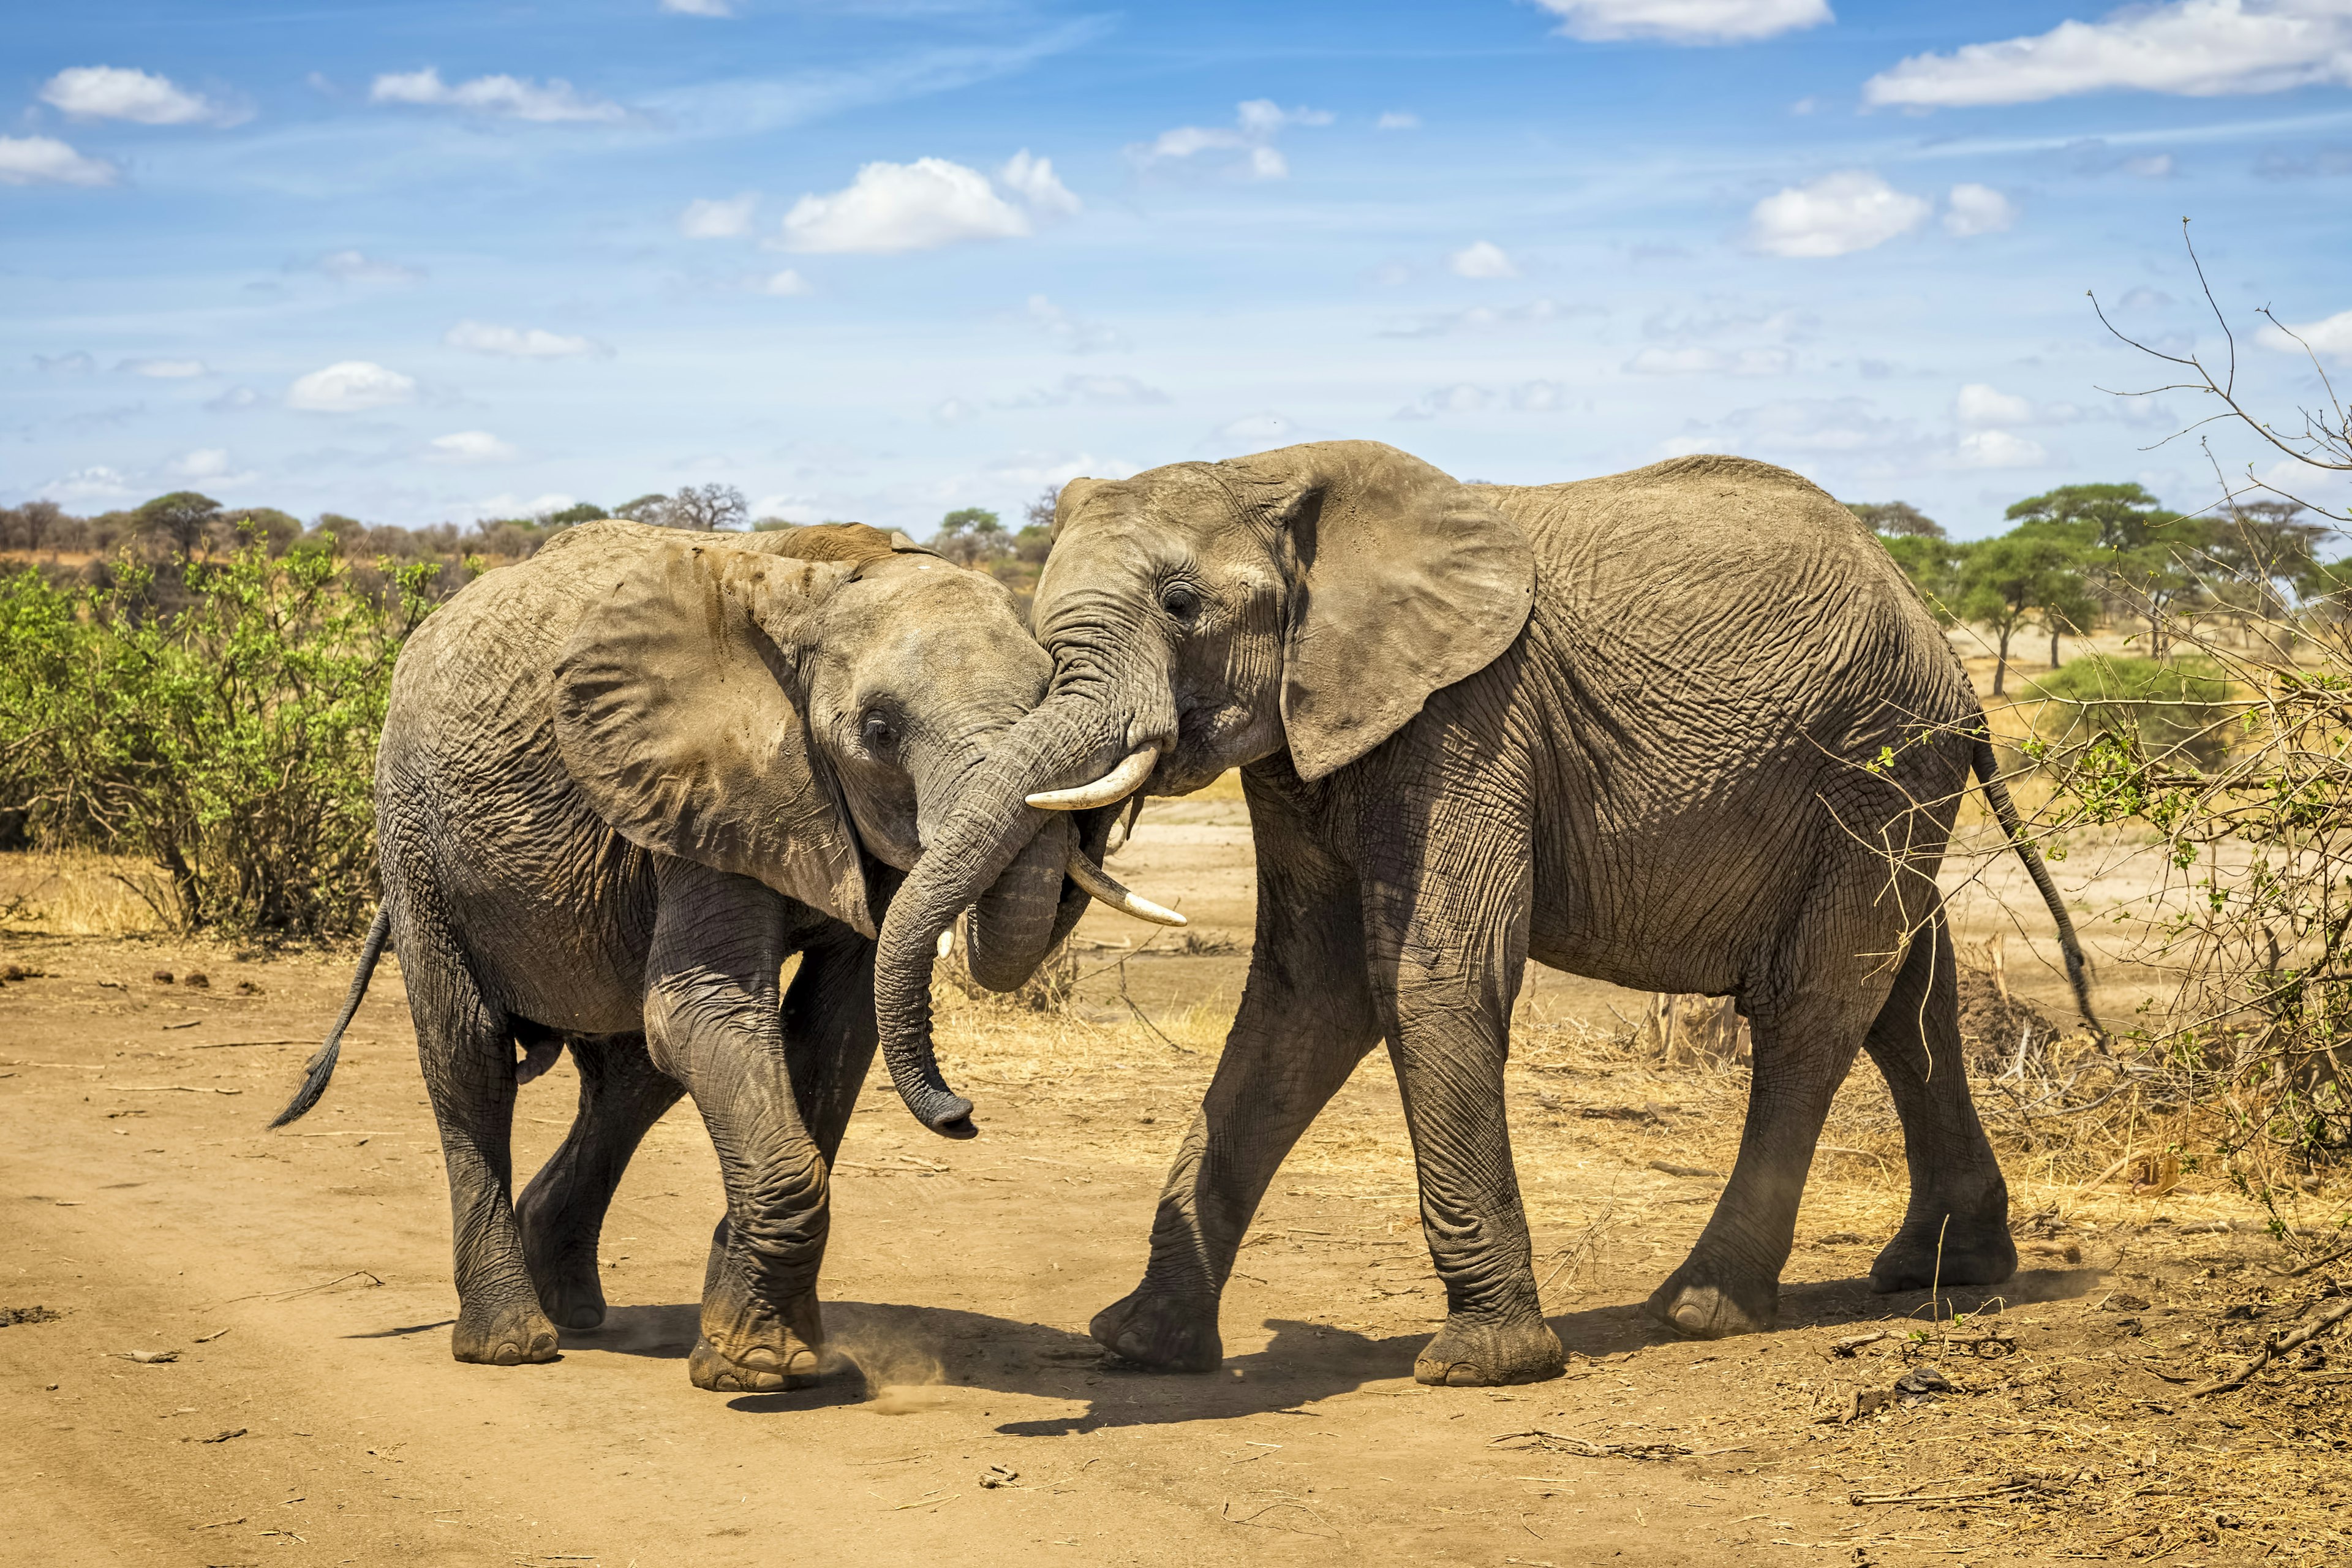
1449, 1064
712, 1024
1304, 1021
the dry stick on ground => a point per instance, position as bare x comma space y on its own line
2329, 1314
1553, 1442
2302, 1269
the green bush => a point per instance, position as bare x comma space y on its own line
2169, 710
232, 742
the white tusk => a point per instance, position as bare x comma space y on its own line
946, 941
1102, 885
1115, 785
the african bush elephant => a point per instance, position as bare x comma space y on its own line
1686, 729
618, 785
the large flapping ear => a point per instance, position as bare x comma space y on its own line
1405, 581
675, 713
1074, 495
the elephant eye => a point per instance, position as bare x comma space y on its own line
875, 731
1179, 601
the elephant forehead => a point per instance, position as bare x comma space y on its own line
936, 620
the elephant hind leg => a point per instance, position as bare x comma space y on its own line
622, 1095
1804, 1038
1956, 1228
465, 1046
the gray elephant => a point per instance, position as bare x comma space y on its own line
1686, 729
618, 785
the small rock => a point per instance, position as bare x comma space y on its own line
198, 979
998, 1476
2125, 1301
247, 988
150, 1358
13, 1315
162, 977
223, 1436
1921, 1384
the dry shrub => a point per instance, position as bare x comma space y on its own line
80, 892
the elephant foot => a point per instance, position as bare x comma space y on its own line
576, 1304
1926, 1252
508, 1336
1161, 1332
750, 1347
762, 1369
1476, 1354
1705, 1302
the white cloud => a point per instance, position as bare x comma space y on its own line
2154, 166
708, 217
1971, 210
782, 284
1983, 407
2195, 48
1687, 21
1712, 362
1464, 397
554, 102
1481, 259
1251, 140
356, 267
471, 446
1075, 336
513, 506
350, 386
1999, 450
1034, 181
518, 342
2330, 338
45, 160
166, 369
1031, 469
895, 207
110, 92
1836, 215
92, 484
1484, 318
1095, 391
699, 7
203, 463
1397, 119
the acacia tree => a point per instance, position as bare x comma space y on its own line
1895, 518
2006, 580
973, 536
183, 517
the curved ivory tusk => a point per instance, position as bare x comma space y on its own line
1102, 885
1115, 785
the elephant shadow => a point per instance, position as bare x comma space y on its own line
885, 1350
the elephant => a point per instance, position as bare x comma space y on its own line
618, 785
1685, 729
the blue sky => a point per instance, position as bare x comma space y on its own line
427, 261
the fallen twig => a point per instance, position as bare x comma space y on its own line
232, 1045
2332, 1312
1553, 1442
2305, 1268
2006, 1488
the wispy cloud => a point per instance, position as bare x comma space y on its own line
1070, 333
356, 267
1246, 148
711, 217
552, 102
165, 369
519, 343
350, 387
1836, 215
1687, 21
1486, 318
2198, 49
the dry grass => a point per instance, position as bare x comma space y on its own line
80, 892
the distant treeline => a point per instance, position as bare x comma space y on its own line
164, 536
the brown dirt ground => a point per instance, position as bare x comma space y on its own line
313, 1416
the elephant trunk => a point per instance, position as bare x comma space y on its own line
989, 827
1012, 926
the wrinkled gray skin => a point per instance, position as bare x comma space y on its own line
1617, 727
618, 785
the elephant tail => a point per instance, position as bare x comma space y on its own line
2004, 811
321, 1065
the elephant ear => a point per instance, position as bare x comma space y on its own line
674, 714
1403, 581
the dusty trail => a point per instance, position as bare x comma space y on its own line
303, 1278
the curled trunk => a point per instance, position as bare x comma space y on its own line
990, 828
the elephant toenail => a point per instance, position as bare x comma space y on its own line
1689, 1319
1462, 1374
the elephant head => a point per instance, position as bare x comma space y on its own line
1206, 616
799, 707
